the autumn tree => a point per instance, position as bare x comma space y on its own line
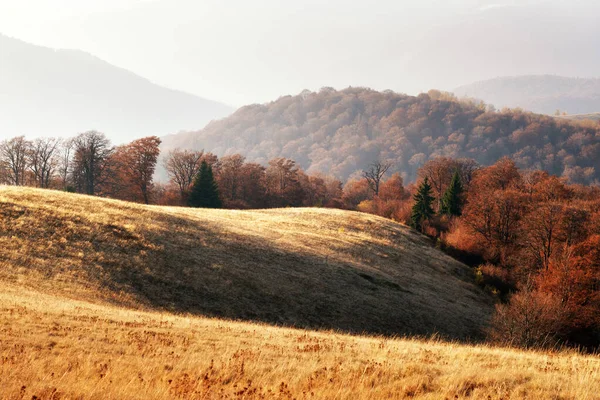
283, 185
205, 192
355, 192
230, 177
531, 319
374, 174
422, 210
14, 156
253, 190
441, 170
137, 163
392, 189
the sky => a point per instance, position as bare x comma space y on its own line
241, 52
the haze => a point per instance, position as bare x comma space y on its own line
241, 52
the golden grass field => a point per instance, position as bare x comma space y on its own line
87, 309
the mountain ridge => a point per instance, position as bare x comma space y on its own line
62, 92
537, 93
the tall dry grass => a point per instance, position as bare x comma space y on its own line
312, 268
101, 299
53, 348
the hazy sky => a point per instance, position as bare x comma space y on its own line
242, 51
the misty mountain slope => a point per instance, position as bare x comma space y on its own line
538, 93
46, 92
341, 132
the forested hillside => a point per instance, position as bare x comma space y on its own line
341, 132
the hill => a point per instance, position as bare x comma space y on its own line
341, 132
538, 93
315, 268
47, 92
54, 347
582, 117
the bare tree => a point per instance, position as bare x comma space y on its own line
375, 174
13, 155
65, 161
91, 161
43, 160
182, 167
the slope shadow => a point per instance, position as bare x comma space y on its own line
203, 270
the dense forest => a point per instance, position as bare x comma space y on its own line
339, 132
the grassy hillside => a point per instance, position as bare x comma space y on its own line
317, 268
97, 301
54, 348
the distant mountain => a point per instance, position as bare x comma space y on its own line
341, 132
538, 93
582, 117
63, 92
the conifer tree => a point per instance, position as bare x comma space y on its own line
205, 192
452, 201
422, 210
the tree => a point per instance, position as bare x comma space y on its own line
182, 167
283, 183
205, 192
138, 164
65, 159
230, 177
14, 156
43, 160
440, 175
392, 189
452, 201
91, 161
422, 210
375, 174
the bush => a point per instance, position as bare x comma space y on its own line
531, 319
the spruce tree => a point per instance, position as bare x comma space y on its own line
422, 210
452, 201
205, 192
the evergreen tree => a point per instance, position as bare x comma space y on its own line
422, 210
452, 201
205, 192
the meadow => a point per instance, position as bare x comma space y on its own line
102, 299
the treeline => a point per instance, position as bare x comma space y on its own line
339, 132
90, 164
87, 163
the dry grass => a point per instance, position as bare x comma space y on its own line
52, 348
297, 267
88, 286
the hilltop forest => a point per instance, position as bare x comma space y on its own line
339, 132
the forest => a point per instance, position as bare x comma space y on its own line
339, 132
532, 238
